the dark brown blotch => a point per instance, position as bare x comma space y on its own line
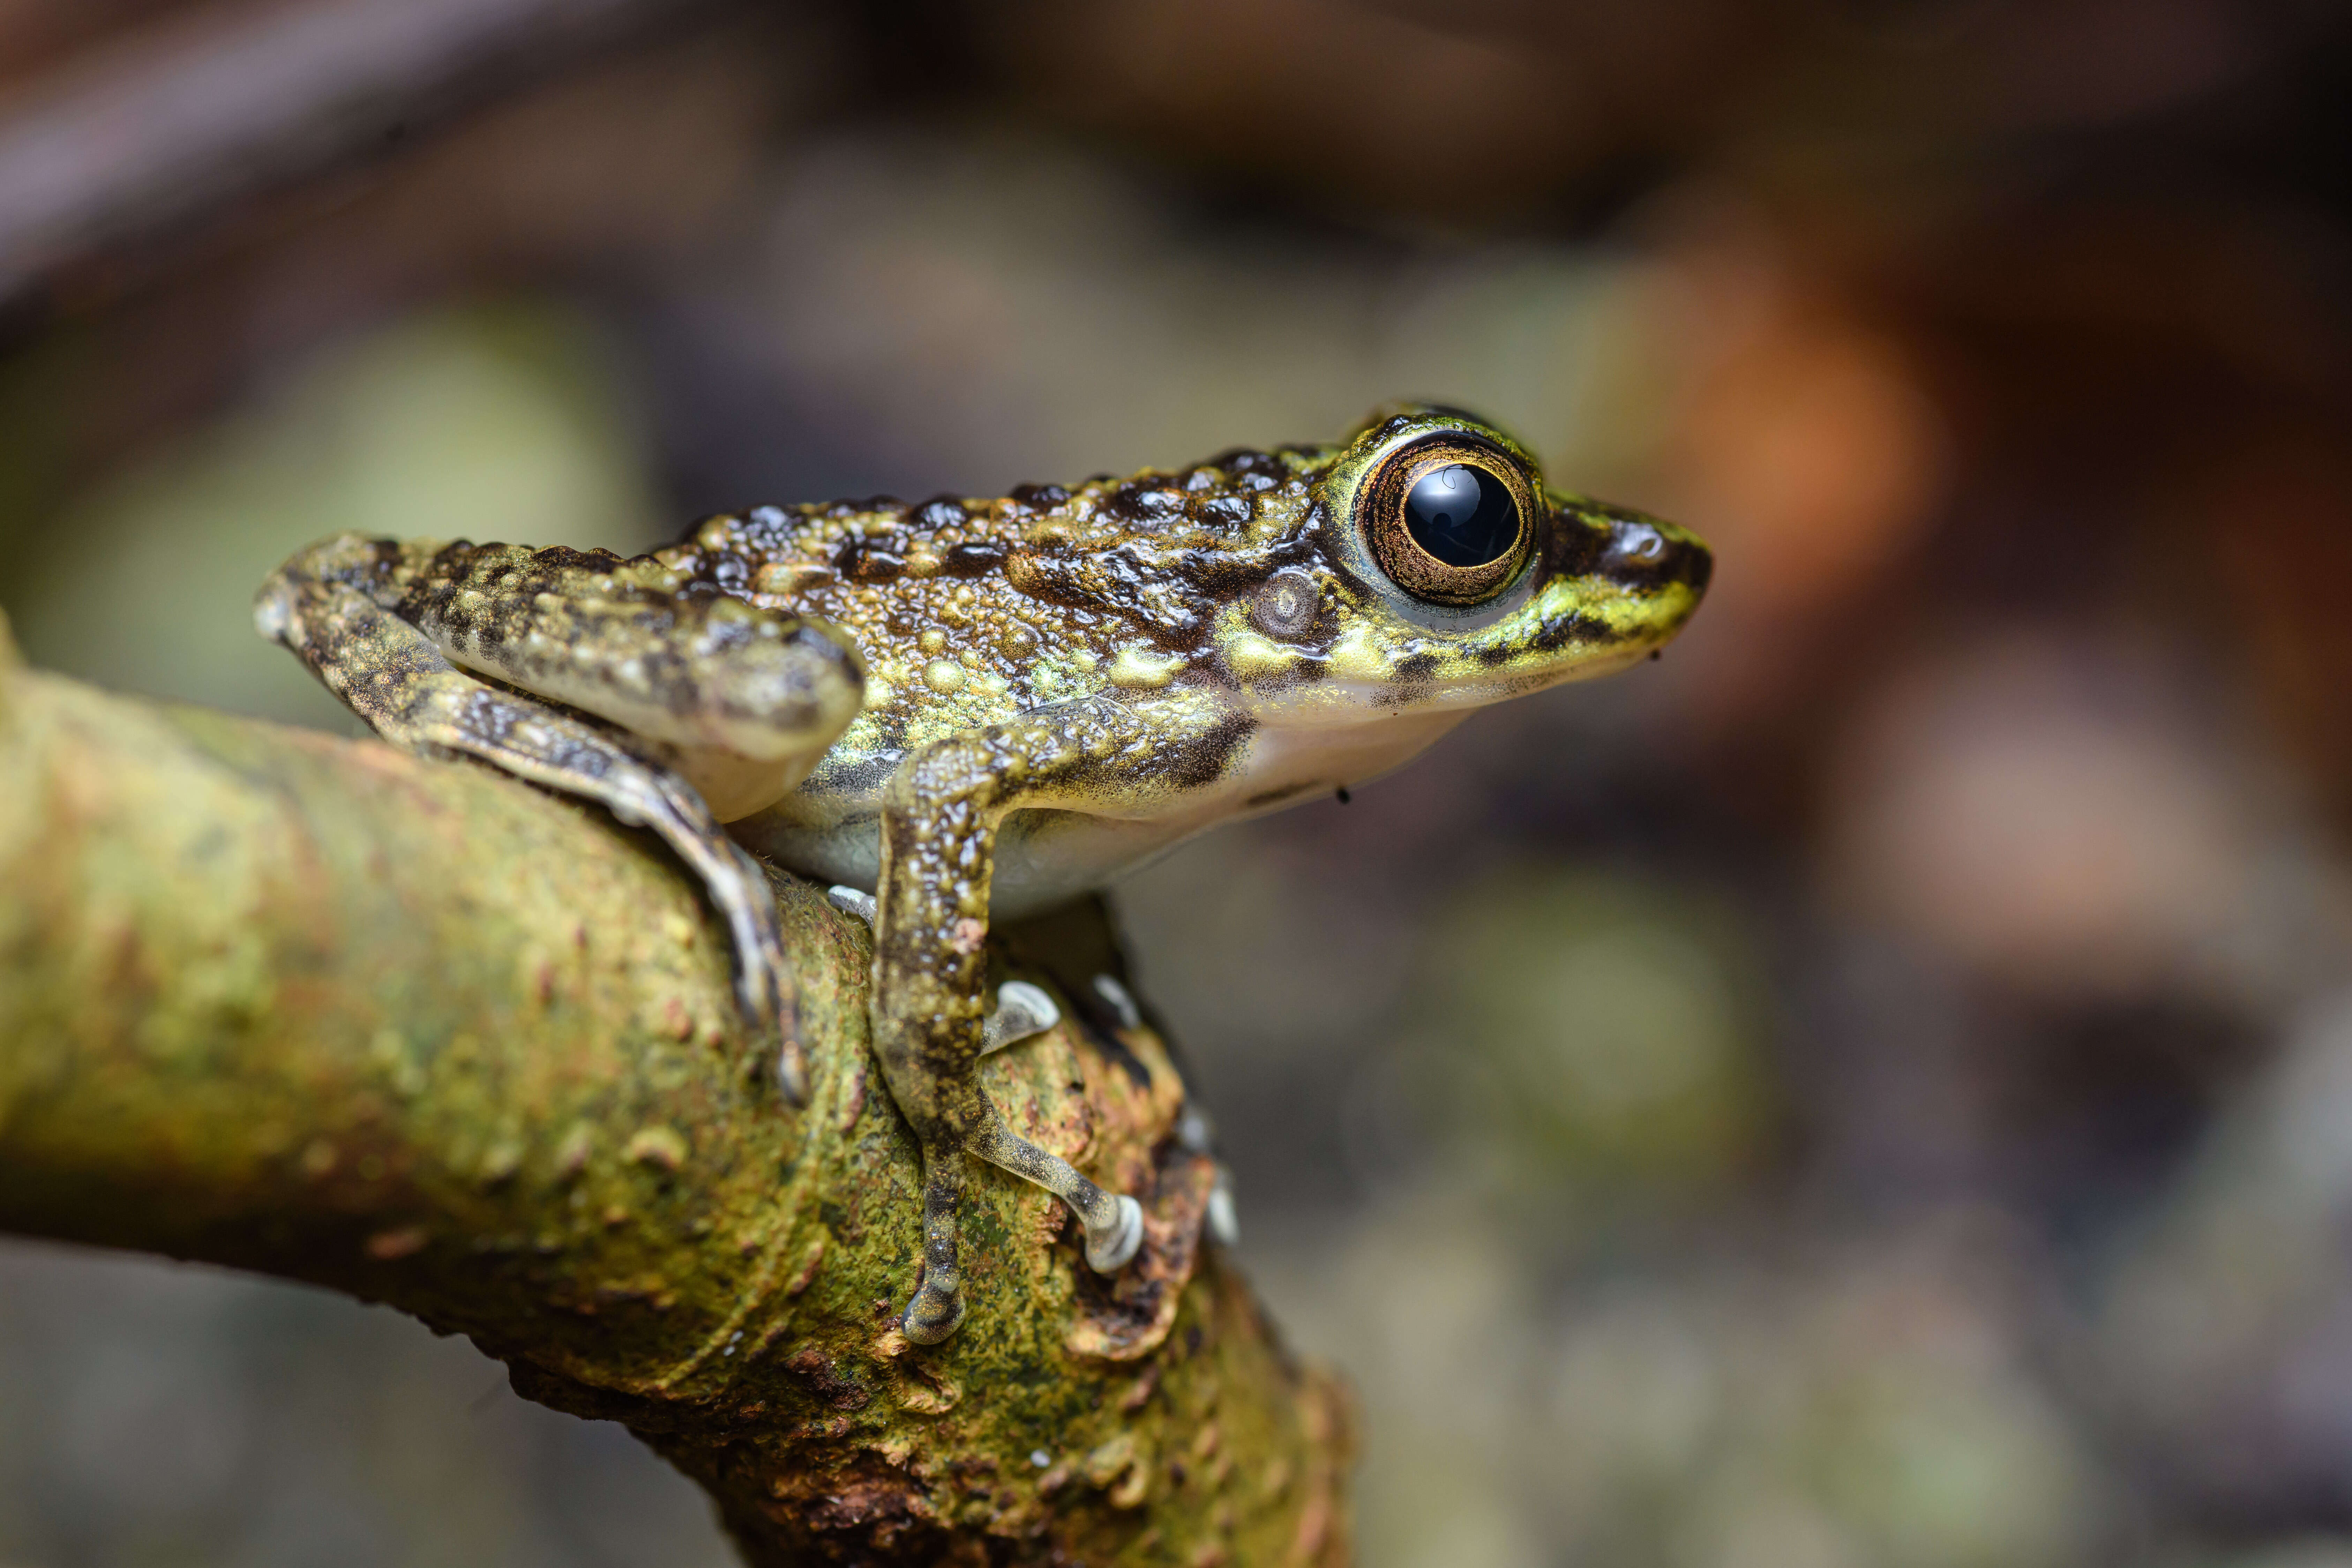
1225, 512
976, 559
1040, 498
863, 561
1201, 759
1132, 582
939, 511
1252, 469
1146, 499
1416, 666
1576, 628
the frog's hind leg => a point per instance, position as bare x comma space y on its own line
392, 674
739, 699
929, 1009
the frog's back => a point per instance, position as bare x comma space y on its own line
972, 612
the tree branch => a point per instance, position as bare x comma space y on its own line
421, 1033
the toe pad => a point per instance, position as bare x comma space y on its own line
1115, 1251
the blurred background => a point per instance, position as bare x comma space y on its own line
1875, 1089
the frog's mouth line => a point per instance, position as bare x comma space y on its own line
1567, 630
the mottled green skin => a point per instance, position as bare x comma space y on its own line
1045, 689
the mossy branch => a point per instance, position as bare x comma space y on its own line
421, 1033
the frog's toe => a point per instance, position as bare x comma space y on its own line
764, 980
1114, 1246
851, 900
1224, 1221
765, 996
934, 1314
1114, 1222
791, 1059
1022, 1010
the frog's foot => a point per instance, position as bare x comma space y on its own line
391, 674
936, 1310
1114, 1221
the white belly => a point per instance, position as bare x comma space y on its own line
1045, 858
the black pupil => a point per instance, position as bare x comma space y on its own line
1463, 516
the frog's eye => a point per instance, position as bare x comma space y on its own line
1448, 519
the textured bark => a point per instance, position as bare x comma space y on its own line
423, 1034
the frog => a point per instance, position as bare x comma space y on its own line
966, 709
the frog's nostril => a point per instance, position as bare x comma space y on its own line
1637, 544
1639, 553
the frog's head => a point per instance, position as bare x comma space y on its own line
1450, 577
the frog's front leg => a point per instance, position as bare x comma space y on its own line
939, 834
740, 697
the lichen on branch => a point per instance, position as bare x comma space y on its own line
422, 1033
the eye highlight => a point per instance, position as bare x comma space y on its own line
1449, 518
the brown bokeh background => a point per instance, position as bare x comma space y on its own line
1875, 1089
